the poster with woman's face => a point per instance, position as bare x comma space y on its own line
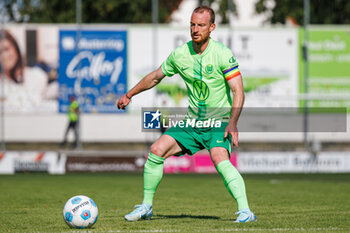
35, 56
29, 61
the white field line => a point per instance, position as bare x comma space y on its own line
280, 229
219, 230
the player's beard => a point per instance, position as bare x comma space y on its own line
200, 42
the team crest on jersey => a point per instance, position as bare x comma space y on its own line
200, 90
209, 68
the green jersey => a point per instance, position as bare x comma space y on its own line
72, 113
206, 77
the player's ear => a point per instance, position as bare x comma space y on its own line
212, 27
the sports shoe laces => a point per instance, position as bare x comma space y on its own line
241, 211
139, 208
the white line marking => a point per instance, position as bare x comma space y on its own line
218, 230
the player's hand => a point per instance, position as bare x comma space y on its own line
123, 102
232, 129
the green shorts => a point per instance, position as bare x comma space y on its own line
196, 139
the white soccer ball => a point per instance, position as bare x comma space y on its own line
80, 212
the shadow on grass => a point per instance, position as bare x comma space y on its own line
160, 216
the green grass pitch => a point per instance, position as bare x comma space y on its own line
183, 203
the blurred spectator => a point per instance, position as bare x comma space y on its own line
73, 115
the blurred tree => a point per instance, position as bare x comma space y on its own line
39, 11
101, 11
125, 11
321, 11
10, 11
224, 8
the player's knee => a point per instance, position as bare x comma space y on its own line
157, 150
216, 160
218, 155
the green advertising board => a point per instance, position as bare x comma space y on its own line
329, 66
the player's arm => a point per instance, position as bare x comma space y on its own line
236, 85
146, 83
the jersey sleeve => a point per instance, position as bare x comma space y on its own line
168, 66
229, 65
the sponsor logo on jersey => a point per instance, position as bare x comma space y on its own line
232, 60
200, 90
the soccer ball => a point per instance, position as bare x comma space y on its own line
80, 212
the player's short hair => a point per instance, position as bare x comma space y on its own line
208, 9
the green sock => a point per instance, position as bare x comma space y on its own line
234, 183
152, 175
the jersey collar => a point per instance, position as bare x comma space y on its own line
204, 52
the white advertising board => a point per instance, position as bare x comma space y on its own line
268, 60
246, 162
32, 161
288, 162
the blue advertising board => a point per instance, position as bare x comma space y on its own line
94, 70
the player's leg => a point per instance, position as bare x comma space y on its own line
233, 182
163, 148
232, 179
76, 133
66, 134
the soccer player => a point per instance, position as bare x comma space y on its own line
210, 71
